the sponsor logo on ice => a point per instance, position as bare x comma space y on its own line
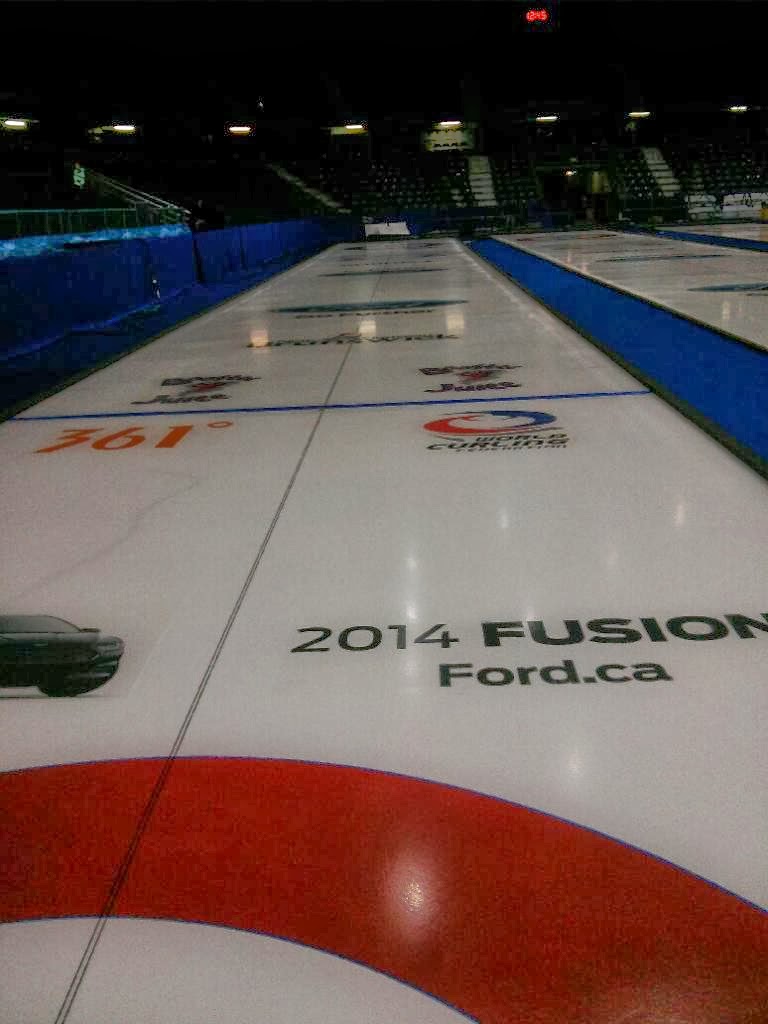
383, 308
196, 389
497, 430
355, 339
479, 377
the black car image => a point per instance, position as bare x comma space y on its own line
60, 659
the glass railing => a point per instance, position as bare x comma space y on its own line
24, 223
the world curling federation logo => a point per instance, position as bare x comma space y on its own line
497, 430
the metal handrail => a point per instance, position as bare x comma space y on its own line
134, 194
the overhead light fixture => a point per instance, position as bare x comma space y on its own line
124, 129
239, 129
449, 124
15, 122
738, 110
569, 174
349, 128
545, 118
639, 113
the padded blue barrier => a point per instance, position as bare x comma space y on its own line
64, 312
44, 297
172, 261
718, 381
702, 236
259, 243
220, 254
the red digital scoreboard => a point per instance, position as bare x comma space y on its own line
539, 17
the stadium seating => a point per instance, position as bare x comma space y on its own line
243, 190
377, 186
718, 169
632, 179
513, 182
720, 182
35, 178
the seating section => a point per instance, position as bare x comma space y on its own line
721, 182
435, 181
235, 187
633, 180
718, 169
35, 179
242, 190
513, 182
639, 196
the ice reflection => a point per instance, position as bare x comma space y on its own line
414, 895
411, 893
259, 337
454, 322
367, 328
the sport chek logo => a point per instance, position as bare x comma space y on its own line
196, 389
480, 377
497, 430
356, 339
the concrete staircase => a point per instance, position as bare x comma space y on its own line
316, 193
481, 181
663, 174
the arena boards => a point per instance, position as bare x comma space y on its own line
752, 232
723, 288
430, 648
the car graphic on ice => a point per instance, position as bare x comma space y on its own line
60, 659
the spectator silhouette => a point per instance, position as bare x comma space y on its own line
198, 218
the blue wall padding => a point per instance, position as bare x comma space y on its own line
259, 242
43, 297
173, 263
220, 255
62, 312
723, 380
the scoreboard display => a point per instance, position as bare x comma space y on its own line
538, 17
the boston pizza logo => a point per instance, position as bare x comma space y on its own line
197, 389
478, 377
497, 430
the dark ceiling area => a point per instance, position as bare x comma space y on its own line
324, 61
